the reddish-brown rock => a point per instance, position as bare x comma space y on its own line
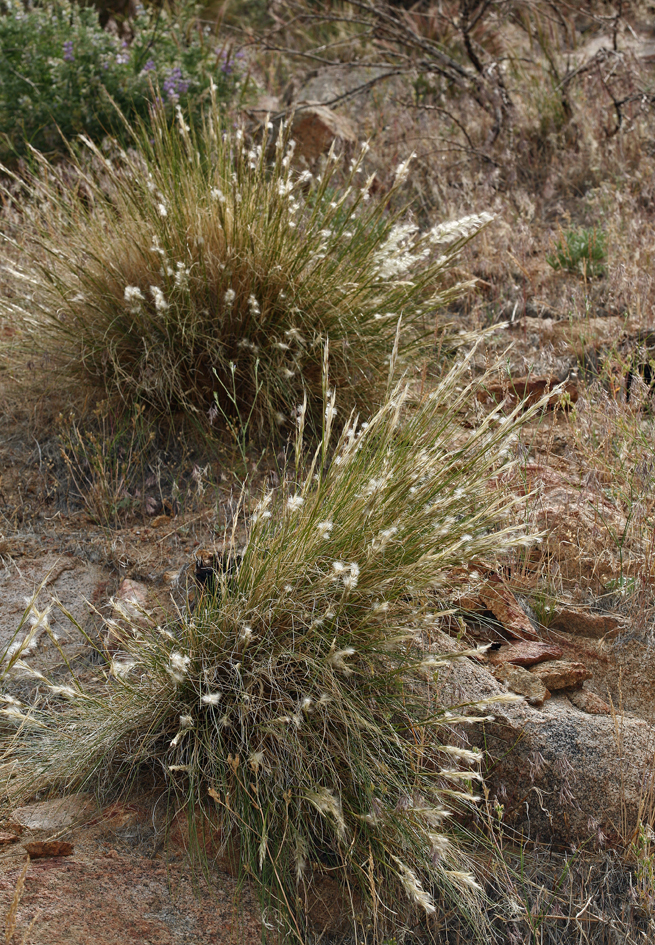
585, 623
526, 653
561, 674
43, 848
587, 701
497, 597
530, 390
315, 128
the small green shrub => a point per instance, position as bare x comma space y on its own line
195, 275
58, 69
294, 712
580, 251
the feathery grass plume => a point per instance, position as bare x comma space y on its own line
200, 272
294, 710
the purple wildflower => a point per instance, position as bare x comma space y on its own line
174, 85
68, 51
149, 66
123, 57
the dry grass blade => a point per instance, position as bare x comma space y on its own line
12, 912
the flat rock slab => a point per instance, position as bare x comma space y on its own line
55, 814
72, 581
526, 653
585, 623
126, 878
116, 900
560, 674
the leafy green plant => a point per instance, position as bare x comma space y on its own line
59, 70
196, 271
581, 251
543, 602
294, 711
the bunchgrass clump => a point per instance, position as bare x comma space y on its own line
204, 273
294, 710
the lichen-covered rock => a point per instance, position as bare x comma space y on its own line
523, 682
560, 674
587, 701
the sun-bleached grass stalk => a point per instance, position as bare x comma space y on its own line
202, 263
294, 710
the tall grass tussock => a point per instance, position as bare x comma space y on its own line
205, 273
294, 711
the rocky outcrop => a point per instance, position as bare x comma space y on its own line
566, 769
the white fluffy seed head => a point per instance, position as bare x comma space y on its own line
414, 889
211, 698
133, 294
160, 302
